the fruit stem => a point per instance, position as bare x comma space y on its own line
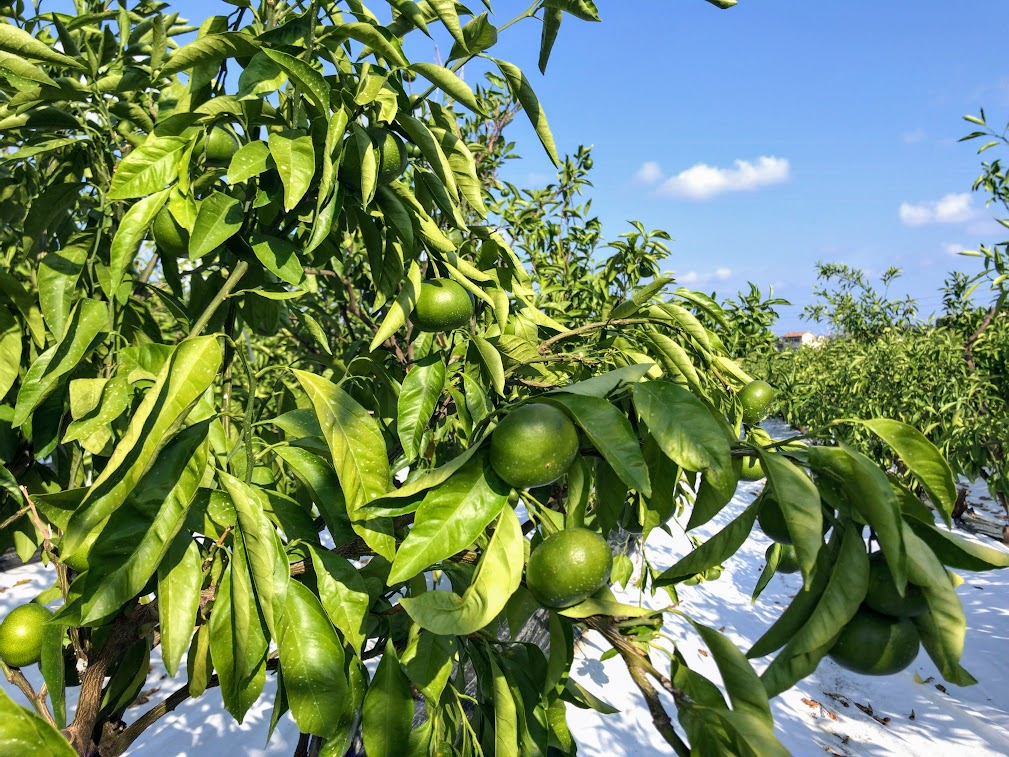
240, 268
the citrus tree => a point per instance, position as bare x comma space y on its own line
280, 398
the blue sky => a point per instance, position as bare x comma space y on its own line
774, 134
845, 117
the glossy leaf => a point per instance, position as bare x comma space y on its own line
387, 716
20, 43
238, 642
279, 256
418, 397
611, 434
681, 424
497, 577
127, 551
343, 593
87, 321
24, 732
179, 582
522, 92
359, 456
219, 218
450, 518
271, 572
714, 551
183, 380
295, 159
868, 490
799, 500
922, 459
841, 599
131, 232
312, 660
10, 351
59, 273
149, 168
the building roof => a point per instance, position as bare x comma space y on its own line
795, 334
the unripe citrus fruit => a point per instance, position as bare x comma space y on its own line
221, 145
21, 635
534, 445
788, 562
568, 567
772, 521
171, 238
752, 469
876, 645
756, 399
391, 154
883, 597
442, 305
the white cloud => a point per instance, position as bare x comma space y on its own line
693, 277
701, 181
649, 173
953, 208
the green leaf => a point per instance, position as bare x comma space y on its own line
868, 489
754, 732
24, 732
13, 68
189, 372
552, 19
741, 681
179, 582
584, 9
280, 256
714, 551
603, 602
684, 428
956, 552
925, 463
10, 351
87, 321
497, 577
450, 518
131, 232
58, 274
52, 666
608, 383
430, 148
387, 504
95, 404
611, 434
219, 218
271, 572
21, 44
448, 83
324, 487
130, 547
359, 456
238, 642
149, 168
418, 398
943, 627
801, 606
343, 593
373, 37
800, 504
387, 716
491, 359
446, 11
210, 49
295, 159
522, 91
312, 660
309, 81
429, 663
250, 160
506, 717
845, 591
